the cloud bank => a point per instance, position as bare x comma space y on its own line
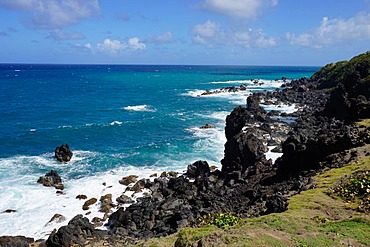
54, 14
332, 31
245, 9
114, 46
211, 34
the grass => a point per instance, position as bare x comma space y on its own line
314, 217
364, 122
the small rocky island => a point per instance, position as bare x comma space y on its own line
249, 184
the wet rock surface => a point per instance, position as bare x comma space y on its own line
63, 153
51, 179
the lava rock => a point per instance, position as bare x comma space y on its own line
208, 126
9, 211
124, 199
241, 152
276, 204
15, 241
128, 180
57, 218
199, 168
88, 203
106, 203
78, 231
81, 197
63, 153
51, 179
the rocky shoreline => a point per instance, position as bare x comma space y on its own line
248, 184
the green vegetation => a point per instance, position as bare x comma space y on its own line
356, 189
330, 75
220, 220
186, 237
365, 123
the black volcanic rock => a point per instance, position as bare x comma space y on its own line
253, 106
76, 233
235, 121
349, 83
15, 241
276, 203
51, 178
63, 153
312, 140
242, 151
321, 128
207, 126
198, 168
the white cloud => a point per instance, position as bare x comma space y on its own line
206, 31
238, 8
114, 46
88, 46
333, 31
303, 39
111, 46
52, 14
135, 44
252, 38
211, 34
262, 41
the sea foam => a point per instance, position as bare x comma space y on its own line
142, 108
237, 97
35, 204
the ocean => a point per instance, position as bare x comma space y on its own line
118, 120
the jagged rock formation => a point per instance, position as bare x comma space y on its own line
78, 232
324, 127
15, 241
51, 179
350, 84
63, 153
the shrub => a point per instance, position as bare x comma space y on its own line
220, 220
355, 188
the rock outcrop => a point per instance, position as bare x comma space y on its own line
51, 179
208, 126
15, 241
78, 232
350, 98
128, 180
63, 153
339, 94
199, 168
244, 151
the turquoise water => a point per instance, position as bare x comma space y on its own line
114, 118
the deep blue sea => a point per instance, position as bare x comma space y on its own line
118, 120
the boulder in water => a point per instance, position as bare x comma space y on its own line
63, 153
51, 179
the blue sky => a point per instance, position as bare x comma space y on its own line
225, 32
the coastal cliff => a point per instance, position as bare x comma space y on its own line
250, 185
